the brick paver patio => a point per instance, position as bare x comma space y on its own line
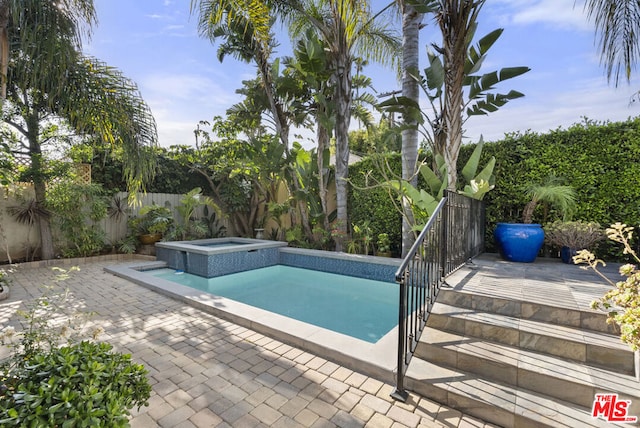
207, 372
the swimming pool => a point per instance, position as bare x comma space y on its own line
358, 307
376, 358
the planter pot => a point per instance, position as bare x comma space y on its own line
519, 242
4, 294
150, 238
384, 254
566, 255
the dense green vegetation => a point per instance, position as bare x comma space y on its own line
599, 160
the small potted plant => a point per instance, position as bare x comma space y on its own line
573, 236
384, 245
153, 221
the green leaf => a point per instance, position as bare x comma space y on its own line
511, 72
434, 73
470, 168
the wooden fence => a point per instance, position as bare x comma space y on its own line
18, 241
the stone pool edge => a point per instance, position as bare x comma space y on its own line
377, 360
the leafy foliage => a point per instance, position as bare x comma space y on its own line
76, 210
190, 227
577, 235
84, 384
79, 384
622, 302
599, 160
375, 204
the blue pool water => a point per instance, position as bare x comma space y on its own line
361, 308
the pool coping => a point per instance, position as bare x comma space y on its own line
377, 360
198, 246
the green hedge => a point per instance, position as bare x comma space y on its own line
599, 160
373, 204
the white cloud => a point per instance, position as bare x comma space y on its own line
179, 101
557, 13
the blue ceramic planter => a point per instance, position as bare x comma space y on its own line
566, 255
519, 242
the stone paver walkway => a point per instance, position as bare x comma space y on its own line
207, 372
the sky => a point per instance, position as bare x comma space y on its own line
155, 43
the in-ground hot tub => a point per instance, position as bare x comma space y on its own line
231, 255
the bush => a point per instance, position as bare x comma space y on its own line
374, 205
599, 160
77, 209
78, 384
622, 303
84, 384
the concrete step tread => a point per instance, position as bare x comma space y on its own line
571, 334
492, 353
495, 402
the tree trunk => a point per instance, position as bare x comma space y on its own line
322, 137
44, 222
411, 21
455, 20
4, 48
343, 117
39, 185
282, 128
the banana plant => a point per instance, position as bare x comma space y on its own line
424, 201
479, 98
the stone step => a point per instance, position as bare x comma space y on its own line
549, 313
495, 402
545, 374
592, 348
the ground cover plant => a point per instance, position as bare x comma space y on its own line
58, 375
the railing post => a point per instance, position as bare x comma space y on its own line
400, 394
445, 234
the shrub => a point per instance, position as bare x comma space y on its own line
374, 204
81, 383
84, 384
622, 303
577, 235
599, 160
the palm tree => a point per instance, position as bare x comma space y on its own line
457, 20
411, 22
245, 27
348, 32
88, 96
618, 26
62, 17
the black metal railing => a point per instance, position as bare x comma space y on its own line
453, 235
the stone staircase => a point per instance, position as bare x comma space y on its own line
505, 350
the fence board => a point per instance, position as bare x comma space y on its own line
16, 236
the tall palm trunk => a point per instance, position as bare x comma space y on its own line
343, 118
322, 138
39, 184
455, 20
282, 126
281, 123
4, 48
411, 21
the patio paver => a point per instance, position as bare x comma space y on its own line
208, 372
